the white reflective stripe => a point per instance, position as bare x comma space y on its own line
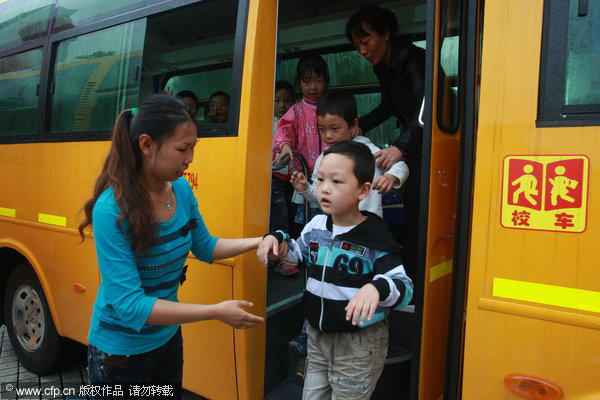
330, 291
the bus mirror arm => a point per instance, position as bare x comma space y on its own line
421, 113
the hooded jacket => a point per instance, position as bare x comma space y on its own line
339, 266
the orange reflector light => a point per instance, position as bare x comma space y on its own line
78, 287
532, 387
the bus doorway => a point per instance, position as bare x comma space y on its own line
415, 363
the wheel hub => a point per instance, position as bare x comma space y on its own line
28, 317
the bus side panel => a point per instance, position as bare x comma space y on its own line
506, 335
60, 178
214, 176
208, 351
49, 184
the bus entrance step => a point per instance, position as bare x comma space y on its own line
289, 389
397, 355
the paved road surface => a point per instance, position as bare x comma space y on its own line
59, 385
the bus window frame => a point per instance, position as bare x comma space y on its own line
149, 8
443, 34
28, 137
552, 110
231, 127
38, 42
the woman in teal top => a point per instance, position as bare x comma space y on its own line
145, 220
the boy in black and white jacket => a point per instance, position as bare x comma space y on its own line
355, 278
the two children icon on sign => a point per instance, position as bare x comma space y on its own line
527, 185
561, 185
535, 186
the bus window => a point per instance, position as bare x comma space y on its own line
447, 96
22, 21
200, 60
95, 77
582, 85
569, 80
72, 13
384, 134
99, 74
202, 84
19, 77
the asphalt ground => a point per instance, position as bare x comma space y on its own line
68, 383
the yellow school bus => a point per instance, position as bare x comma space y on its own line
507, 288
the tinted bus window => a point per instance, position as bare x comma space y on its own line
19, 78
447, 96
569, 79
384, 134
96, 76
99, 74
192, 49
72, 13
345, 69
202, 84
582, 81
22, 21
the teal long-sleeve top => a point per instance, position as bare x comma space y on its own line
131, 282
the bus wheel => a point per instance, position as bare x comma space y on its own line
29, 323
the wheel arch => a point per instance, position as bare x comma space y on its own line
11, 256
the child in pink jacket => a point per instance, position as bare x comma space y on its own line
297, 130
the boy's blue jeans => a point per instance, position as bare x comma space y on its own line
302, 340
281, 205
159, 370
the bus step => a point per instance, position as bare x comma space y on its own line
397, 355
286, 390
394, 382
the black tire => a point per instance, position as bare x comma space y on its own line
29, 323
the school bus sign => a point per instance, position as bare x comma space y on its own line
547, 193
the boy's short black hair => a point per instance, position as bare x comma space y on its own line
337, 102
364, 162
285, 85
309, 64
220, 93
190, 94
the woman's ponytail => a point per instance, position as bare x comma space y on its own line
158, 117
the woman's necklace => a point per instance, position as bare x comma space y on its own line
168, 202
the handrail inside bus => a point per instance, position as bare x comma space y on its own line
421, 113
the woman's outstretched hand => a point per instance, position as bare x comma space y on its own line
232, 313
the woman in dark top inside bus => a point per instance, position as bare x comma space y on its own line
400, 69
